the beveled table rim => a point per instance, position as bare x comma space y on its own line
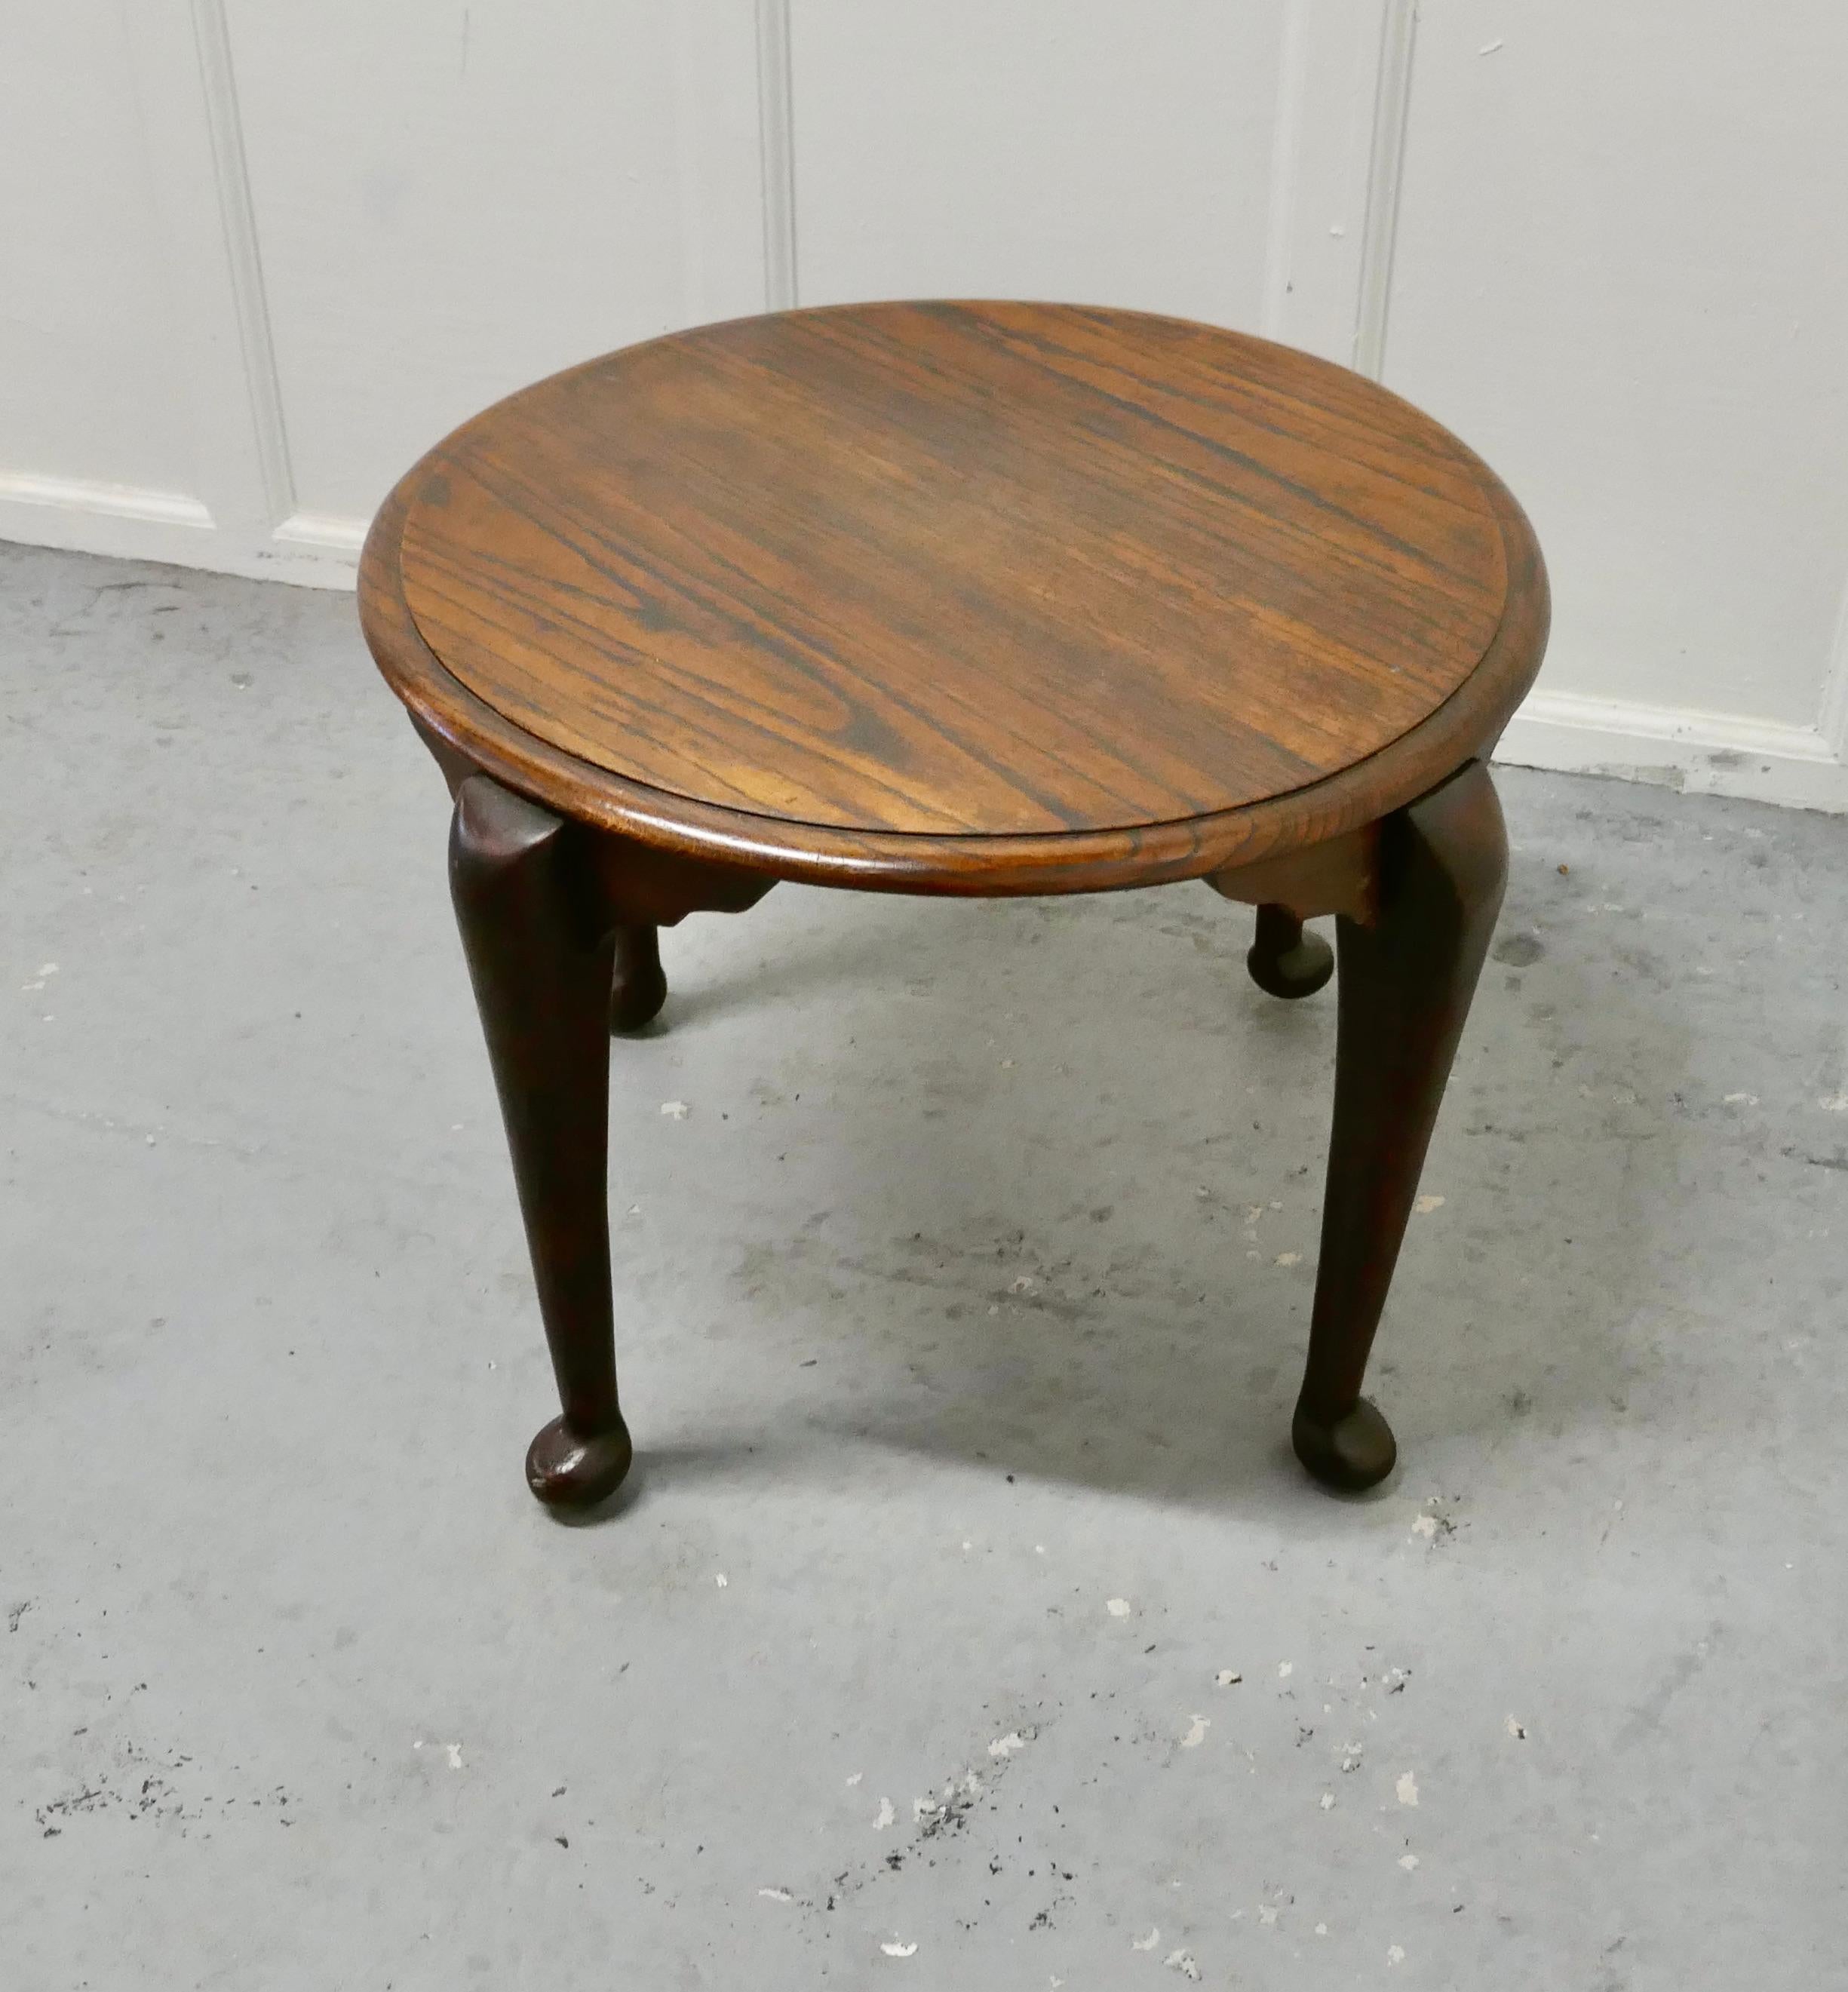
1465, 726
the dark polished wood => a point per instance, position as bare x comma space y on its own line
540, 945
1340, 874
639, 987
953, 569
1286, 958
963, 598
1406, 979
960, 598
547, 912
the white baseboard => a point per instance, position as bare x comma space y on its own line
317, 549
96, 518
128, 522
324, 530
1700, 753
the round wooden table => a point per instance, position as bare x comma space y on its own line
955, 598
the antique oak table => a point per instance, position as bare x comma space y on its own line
955, 598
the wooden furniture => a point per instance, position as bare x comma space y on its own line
957, 597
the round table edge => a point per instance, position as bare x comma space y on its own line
1464, 728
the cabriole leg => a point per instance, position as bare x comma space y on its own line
1285, 959
1405, 989
540, 957
639, 988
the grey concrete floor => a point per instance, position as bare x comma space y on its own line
960, 1317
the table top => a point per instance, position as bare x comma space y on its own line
960, 596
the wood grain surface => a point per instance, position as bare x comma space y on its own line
903, 594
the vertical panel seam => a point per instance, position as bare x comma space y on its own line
1392, 117
777, 151
238, 216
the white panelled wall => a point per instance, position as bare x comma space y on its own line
255, 258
